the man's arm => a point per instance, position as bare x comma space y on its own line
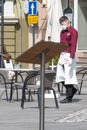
74, 37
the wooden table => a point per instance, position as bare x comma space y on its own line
41, 53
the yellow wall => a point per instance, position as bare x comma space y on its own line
21, 30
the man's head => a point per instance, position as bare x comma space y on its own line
64, 21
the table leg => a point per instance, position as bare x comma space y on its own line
42, 76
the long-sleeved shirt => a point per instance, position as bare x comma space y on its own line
69, 37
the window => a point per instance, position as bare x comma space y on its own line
8, 8
82, 25
0, 9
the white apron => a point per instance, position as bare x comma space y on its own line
64, 71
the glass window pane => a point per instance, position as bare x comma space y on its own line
82, 25
0, 9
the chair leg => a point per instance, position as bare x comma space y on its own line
30, 97
38, 97
11, 92
56, 102
80, 87
6, 94
23, 97
17, 93
58, 87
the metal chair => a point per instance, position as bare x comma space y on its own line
49, 78
17, 84
7, 83
29, 87
82, 78
3, 86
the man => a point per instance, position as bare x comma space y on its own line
66, 68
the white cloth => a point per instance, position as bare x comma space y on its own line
55, 11
65, 71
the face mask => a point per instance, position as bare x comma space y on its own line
63, 27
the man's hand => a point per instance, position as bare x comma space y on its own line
68, 60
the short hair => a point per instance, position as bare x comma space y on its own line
62, 19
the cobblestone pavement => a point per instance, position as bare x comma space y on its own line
67, 117
77, 116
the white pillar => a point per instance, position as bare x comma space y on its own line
44, 2
76, 14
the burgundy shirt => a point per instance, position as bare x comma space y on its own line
69, 37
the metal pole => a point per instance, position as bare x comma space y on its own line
68, 3
33, 32
41, 123
2, 32
33, 38
20, 26
76, 14
33, 35
33, 29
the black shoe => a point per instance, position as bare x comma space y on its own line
66, 100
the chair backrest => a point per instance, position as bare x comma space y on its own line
8, 64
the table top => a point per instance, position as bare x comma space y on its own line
19, 69
33, 54
27, 70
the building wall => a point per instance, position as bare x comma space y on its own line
20, 34
9, 32
15, 29
82, 25
39, 29
80, 21
21, 30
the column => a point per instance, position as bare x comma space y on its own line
76, 14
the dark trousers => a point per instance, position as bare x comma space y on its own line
70, 90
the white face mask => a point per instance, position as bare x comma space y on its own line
63, 27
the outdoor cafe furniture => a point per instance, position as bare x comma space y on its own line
40, 53
18, 84
81, 60
33, 86
3, 87
5, 82
14, 83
